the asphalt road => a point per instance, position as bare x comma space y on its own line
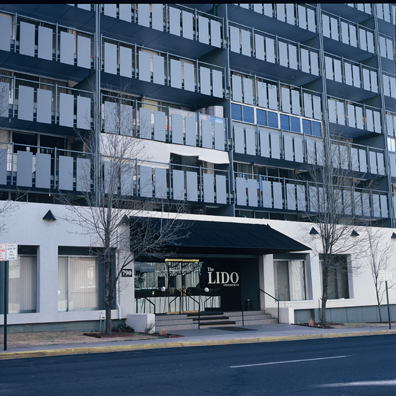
344, 366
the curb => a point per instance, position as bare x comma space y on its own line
178, 344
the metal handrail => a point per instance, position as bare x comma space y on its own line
263, 291
199, 309
137, 299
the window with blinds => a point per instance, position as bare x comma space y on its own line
289, 278
23, 285
77, 283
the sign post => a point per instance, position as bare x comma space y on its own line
387, 301
7, 252
5, 302
384, 275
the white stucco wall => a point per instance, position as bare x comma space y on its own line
25, 226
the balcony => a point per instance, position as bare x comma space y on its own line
296, 21
345, 38
272, 194
44, 169
164, 124
362, 81
54, 108
156, 180
272, 55
271, 146
55, 50
351, 119
164, 75
174, 27
389, 84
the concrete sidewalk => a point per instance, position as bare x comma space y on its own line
202, 337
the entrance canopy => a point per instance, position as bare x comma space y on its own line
226, 238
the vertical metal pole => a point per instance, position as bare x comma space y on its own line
278, 313
387, 302
199, 315
6, 302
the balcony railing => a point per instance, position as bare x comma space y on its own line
30, 37
164, 124
272, 193
351, 73
149, 179
53, 169
44, 168
176, 19
348, 32
294, 14
46, 103
299, 148
144, 64
273, 49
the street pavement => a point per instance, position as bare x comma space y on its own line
201, 337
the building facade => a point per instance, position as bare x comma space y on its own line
233, 103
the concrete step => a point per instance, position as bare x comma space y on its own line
218, 323
206, 313
251, 317
189, 321
212, 318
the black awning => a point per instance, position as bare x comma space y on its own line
215, 237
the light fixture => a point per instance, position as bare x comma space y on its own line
313, 232
354, 233
393, 236
49, 216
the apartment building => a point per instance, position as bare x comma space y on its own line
234, 103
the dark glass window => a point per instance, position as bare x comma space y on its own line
261, 117
248, 114
284, 119
295, 124
307, 127
236, 112
272, 119
316, 129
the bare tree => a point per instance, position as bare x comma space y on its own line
379, 254
111, 211
336, 206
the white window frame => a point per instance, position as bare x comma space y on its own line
68, 291
305, 291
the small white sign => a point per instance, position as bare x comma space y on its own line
8, 251
384, 275
12, 251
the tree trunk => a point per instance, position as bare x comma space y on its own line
108, 318
324, 301
379, 303
108, 297
325, 283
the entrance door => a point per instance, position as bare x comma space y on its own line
231, 290
223, 278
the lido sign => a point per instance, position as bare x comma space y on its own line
222, 278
